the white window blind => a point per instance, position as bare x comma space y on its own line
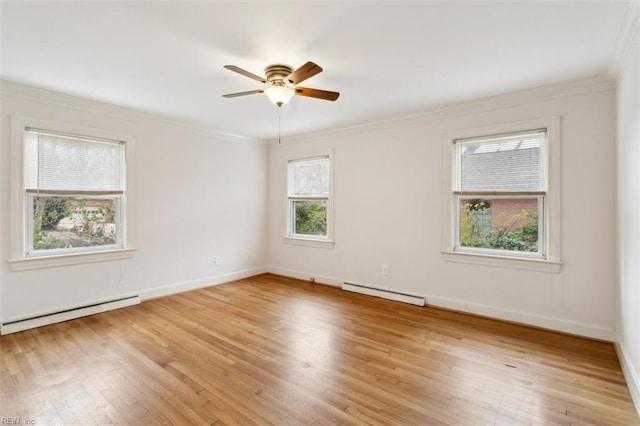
309, 177
64, 163
501, 163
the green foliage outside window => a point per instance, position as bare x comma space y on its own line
517, 232
91, 226
50, 211
311, 217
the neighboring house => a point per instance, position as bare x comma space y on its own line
504, 167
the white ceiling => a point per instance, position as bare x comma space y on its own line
386, 59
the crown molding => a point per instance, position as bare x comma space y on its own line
627, 38
510, 100
11, 89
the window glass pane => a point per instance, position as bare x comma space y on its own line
69, 222
310, 217
500, 223
309, 177
54, 162
501, 163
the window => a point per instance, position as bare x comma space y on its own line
503, 199
309, 198
500, 192
71, 199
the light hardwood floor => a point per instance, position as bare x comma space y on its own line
274, 350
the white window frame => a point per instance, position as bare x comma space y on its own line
20, 221
549, 211
300, 239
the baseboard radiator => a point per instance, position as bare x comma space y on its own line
66, 315
385, 294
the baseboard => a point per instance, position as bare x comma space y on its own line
183, 286
306, 276
17, 325
630, 375
340, 283
549, 323
39, 320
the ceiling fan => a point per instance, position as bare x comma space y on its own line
282, 83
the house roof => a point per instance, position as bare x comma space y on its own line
504, 162
387, 59
508, 170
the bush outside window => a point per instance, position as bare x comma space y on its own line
515, 227
68, 222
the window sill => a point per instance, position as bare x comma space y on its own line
308, 242
69, 259
540, 265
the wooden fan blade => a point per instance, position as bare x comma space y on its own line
235, 95
316, 93
304, 72
245, 73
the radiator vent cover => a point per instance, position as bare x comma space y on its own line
412, 299
67, 314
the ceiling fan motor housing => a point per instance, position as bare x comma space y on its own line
277, 73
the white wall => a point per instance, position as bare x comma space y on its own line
198, 194
388, 196
628, 115
202, 194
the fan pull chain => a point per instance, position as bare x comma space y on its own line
279, 126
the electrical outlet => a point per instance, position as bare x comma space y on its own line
385, 269
217, 260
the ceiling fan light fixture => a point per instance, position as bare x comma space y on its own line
279, 94
282, 82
